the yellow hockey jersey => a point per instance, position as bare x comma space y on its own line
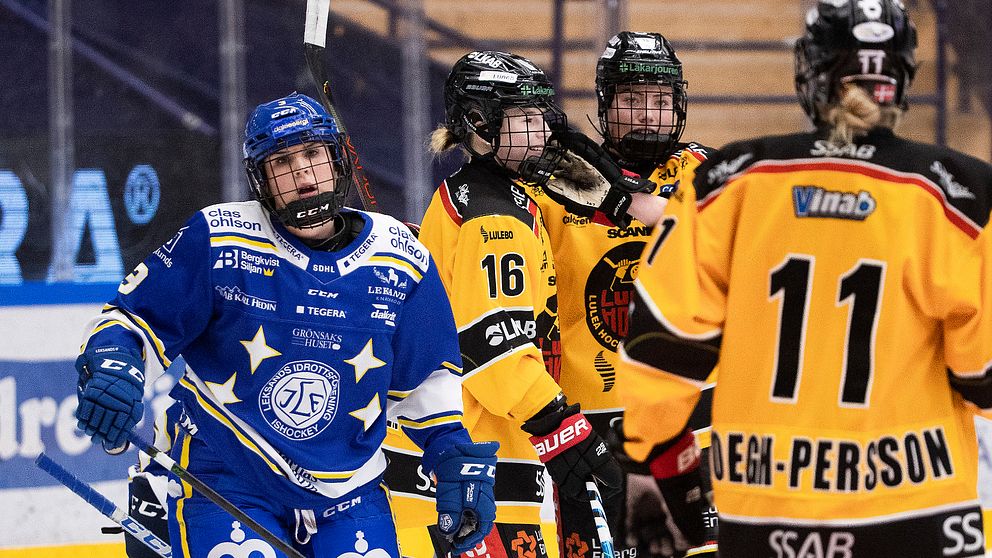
491, 248
596, 267
844, 292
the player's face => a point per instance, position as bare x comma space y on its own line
523, 134
298, 172
644, 108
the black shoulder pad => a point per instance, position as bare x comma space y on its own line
712, 174
698, 150
966, 182
475, 191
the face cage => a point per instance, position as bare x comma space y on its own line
641, 146
532, 167
308, 212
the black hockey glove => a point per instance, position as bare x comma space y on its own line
572, 452
709, 548
675, 467
594, 154
589, 183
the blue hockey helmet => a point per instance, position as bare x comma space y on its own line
296, 120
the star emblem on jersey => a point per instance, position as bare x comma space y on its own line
224, 393
364, 361
368, 413
258, 350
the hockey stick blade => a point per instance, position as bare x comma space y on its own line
599, 518
314, 39
212, 495
104, 506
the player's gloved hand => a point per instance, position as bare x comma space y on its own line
466, 508
594, 154
705, 551
675, 466
147, 499
111, 385
709, 547
572, 452
589, 183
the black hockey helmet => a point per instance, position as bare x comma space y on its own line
870, 43
481, 87
633, 58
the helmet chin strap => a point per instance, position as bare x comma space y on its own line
491, 152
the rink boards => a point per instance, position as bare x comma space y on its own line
41, 519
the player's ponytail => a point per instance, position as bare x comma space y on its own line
856, 113
443, 139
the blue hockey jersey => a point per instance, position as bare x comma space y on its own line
296, 358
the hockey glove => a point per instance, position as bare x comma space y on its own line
111, 385
466, 508
572, 452
589, 183
709, 548
675, 467
147, 500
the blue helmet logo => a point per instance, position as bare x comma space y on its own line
285, 122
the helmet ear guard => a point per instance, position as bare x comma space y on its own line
486, 127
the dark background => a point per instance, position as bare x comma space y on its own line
172, 47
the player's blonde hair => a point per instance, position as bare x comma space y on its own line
856, 112
443, 139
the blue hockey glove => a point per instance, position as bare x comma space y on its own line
111, 385
466, 508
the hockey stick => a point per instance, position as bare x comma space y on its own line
212, 495
104, 506
599, 518
314, 39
